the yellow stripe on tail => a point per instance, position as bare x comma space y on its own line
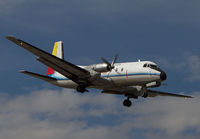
55, 48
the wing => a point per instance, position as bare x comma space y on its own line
153, 93
69, 70
133, 93
127, 91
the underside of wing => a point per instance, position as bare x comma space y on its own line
153, 93
69, 70
132, 92
127, 91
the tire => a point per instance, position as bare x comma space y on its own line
80, 88
127, 103
145, 95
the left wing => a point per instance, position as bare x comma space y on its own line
69, 70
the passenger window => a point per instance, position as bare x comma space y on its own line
122, 69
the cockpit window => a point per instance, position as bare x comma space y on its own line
145, 65
150, 65
153, 66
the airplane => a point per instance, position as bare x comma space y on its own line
131, 79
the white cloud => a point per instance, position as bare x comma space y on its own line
49, 114
171, 64
194, 67
189, 63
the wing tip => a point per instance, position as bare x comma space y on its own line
13, 39
22, 71
186, 97
10, 37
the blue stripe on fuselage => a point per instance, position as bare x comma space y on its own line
114, 75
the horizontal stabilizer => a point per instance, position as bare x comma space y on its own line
39, 76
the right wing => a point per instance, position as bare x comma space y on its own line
153, 93
133, 93
69, 70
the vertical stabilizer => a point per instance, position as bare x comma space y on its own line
58, 52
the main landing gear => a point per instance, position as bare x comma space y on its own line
127, 102
81, 89
145, 95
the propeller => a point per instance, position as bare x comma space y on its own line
110, 66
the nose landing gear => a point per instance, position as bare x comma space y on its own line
127, 102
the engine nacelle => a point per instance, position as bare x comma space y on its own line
153, 84
101, 68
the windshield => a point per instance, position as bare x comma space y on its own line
153, 66
150, 65
145, 65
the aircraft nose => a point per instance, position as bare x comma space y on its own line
163, 75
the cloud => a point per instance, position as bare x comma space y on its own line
50, 114
193, 63
189, 62
171, 64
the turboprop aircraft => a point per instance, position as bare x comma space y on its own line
131, 79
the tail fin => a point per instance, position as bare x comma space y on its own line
58, 52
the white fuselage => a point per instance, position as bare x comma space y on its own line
124, 74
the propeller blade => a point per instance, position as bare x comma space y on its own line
105, 61
114, 60
110, 66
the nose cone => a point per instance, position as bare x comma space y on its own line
163, 76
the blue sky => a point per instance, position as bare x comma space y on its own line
166, 32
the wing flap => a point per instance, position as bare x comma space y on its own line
153, 93
39, 76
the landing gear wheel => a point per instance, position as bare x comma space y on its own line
80, 88
127, 103
145, 95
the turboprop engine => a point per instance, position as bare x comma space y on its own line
106, 66
101, 68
